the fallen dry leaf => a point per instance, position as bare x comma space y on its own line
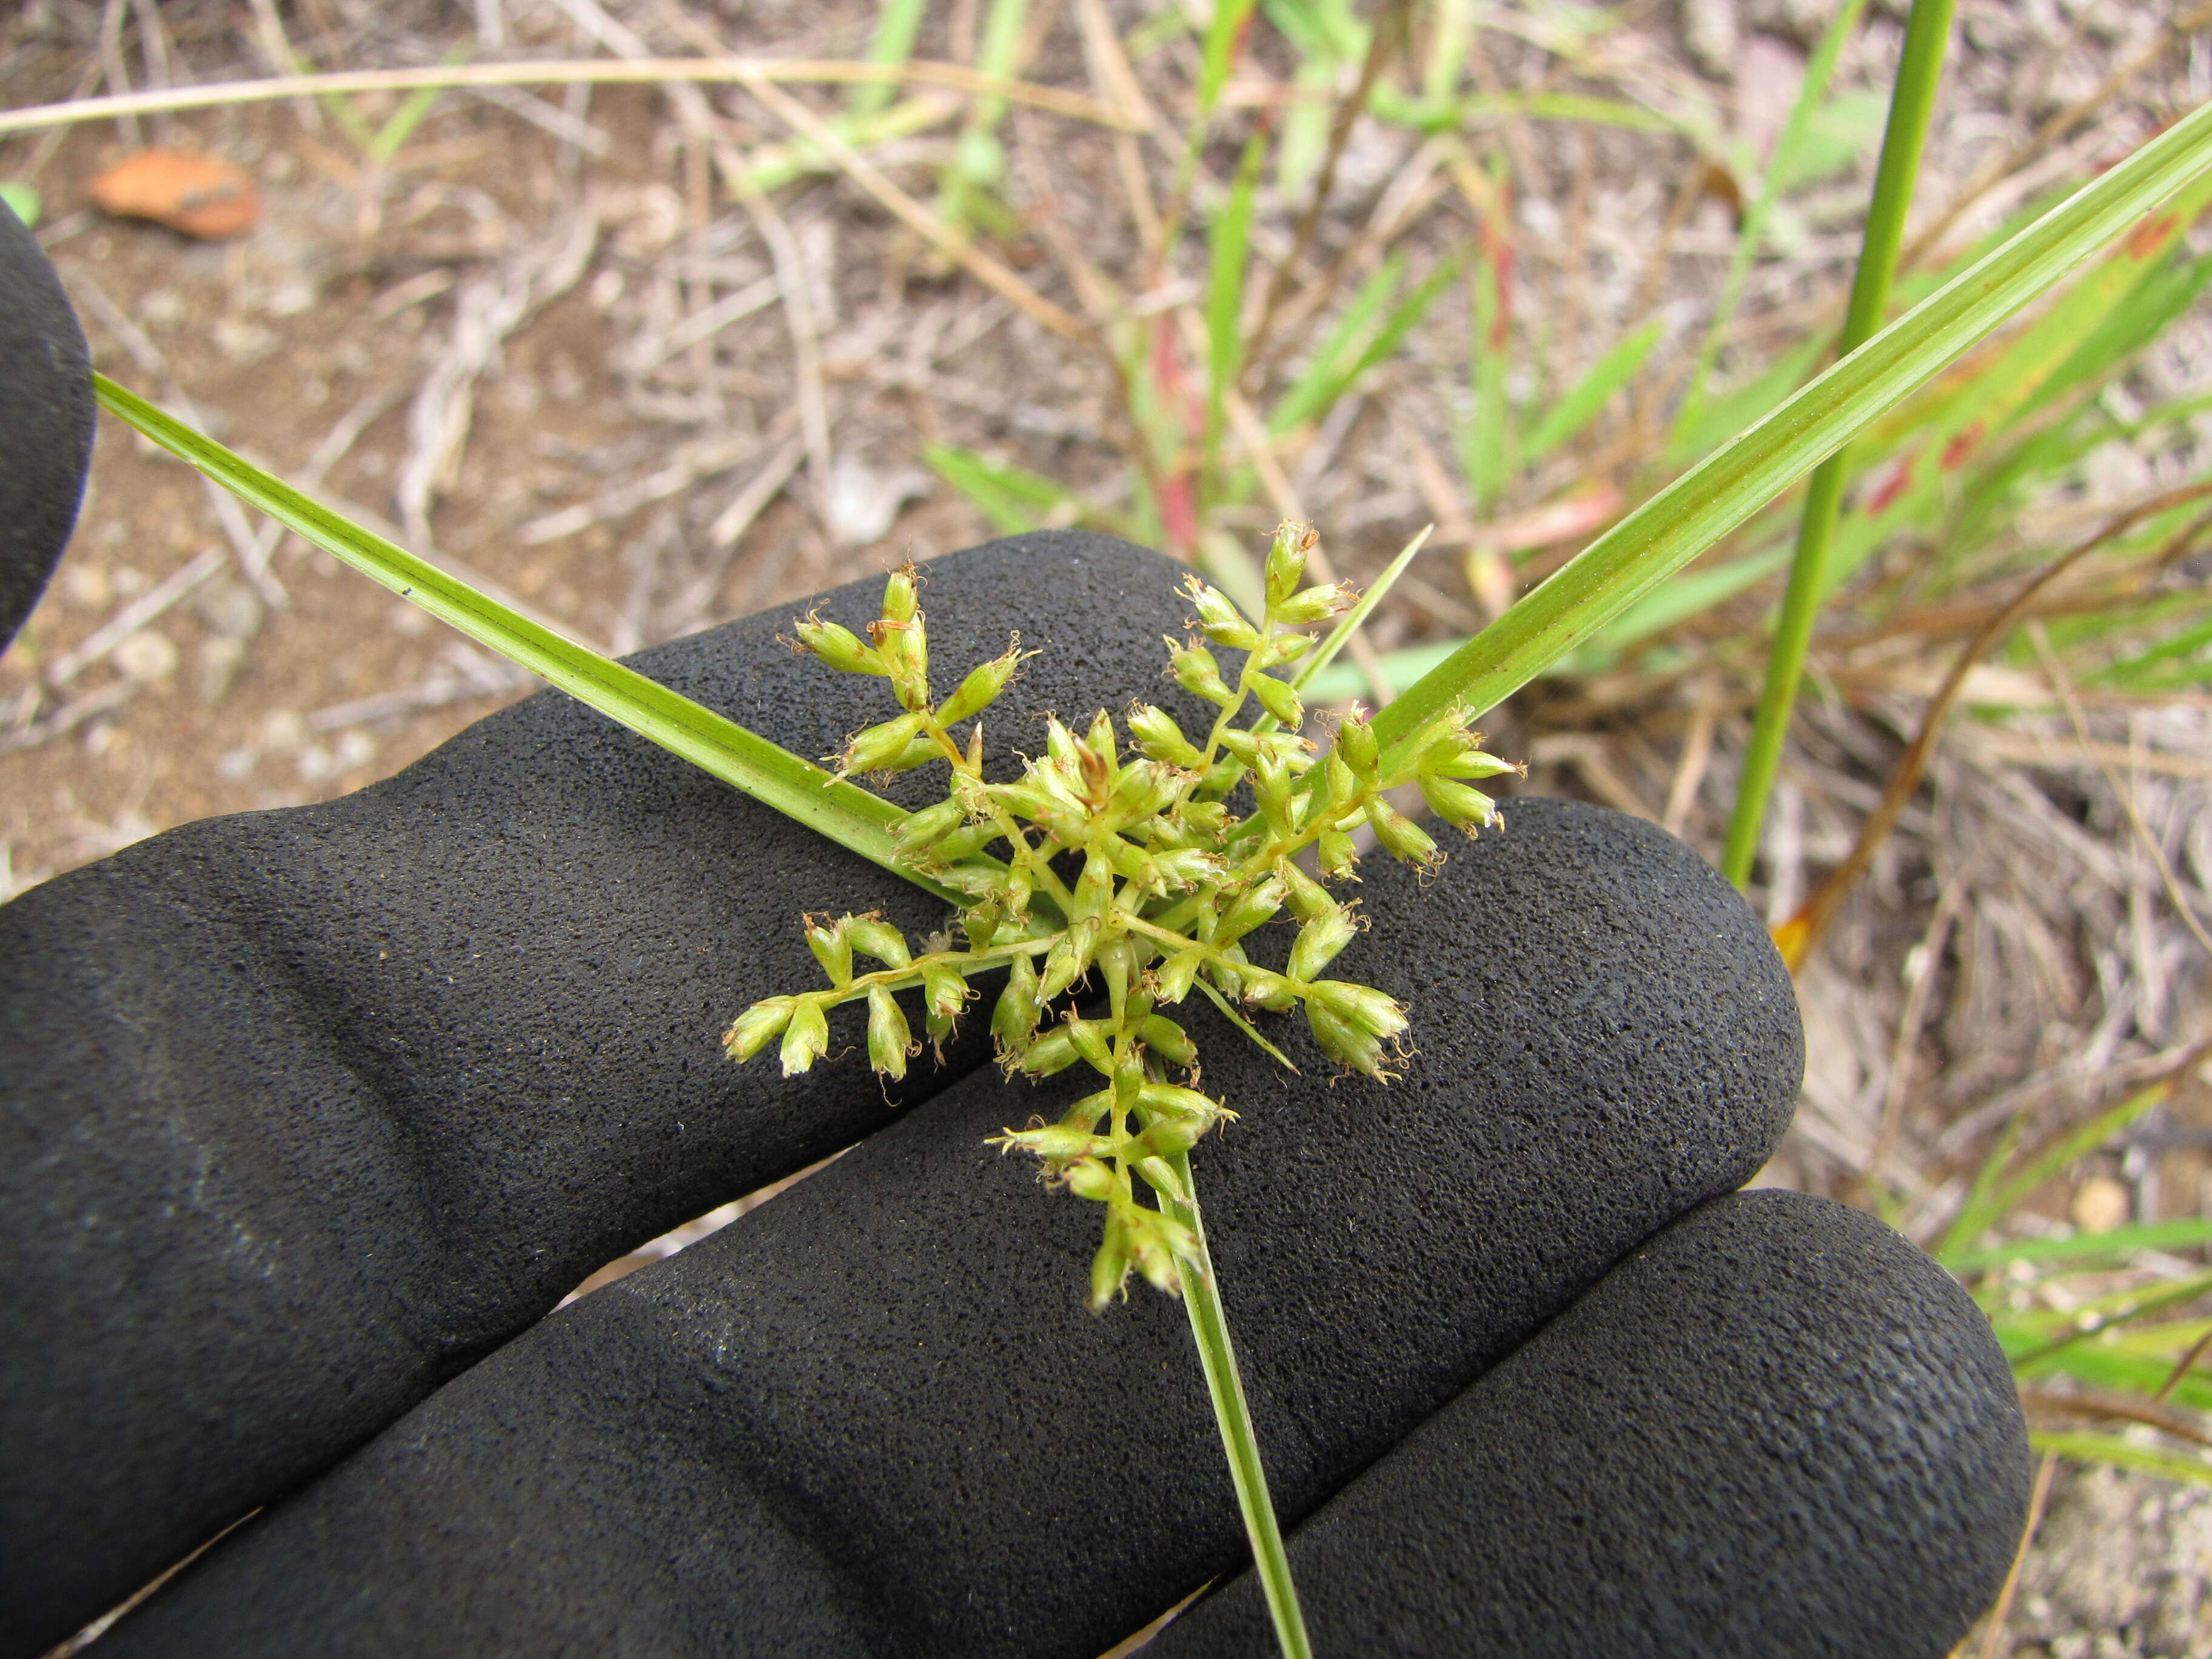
196, 194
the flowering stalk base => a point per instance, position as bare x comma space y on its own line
1168, 883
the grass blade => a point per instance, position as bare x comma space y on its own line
1224, 35
391, 138
1012, 498
1227, 256
2186, 1234
1308, 395
893, 44
1991, 1198
800, 790
1348, 623
1486, 447
2084, 1446
1580, 403
1927, 32
1753, 236
1729, 487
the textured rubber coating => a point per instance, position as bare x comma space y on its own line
302, 1112
874, 1416
1778, 1429
46, 421
304, 1116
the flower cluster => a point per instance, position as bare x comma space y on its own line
1124, 869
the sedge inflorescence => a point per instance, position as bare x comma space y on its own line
1122, 868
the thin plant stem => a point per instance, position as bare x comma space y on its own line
1927, 32
956, 77
1818, 73
1722, 492
1209, 1328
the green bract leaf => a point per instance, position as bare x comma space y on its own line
843, 812
1713, 498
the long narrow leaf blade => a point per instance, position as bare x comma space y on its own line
800, 790
1346, 625
1713, 498
1579, 405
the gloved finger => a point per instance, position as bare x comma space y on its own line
1777, 1428
874, 1416
46, 421
307, 1110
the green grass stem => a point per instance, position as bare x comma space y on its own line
1727, 489
1927, 33
1753, 236
1209, 1328
800, 790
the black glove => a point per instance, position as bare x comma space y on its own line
46, 421
312, 1114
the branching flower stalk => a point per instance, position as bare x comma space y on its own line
1130, 873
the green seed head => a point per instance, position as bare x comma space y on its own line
1052, 1140
1287, 560
945, 992
1264, 989
832, 944
890, 1042
1337, 855
1253, 906
1307, 897
1053, 1052
806, 1038
1473, 764
1087, 1178
1356, 1025
900, 595
875, 749
1355, 745
1193, 668
981, 687
1159, 1173
1168, 1040
1458, 803
1218, 619
1068, 960
1315, 604
759, 1026
1109, 1268
1402, 838
1015, 1015
1277, 697
1321, 940
919, 832
879, 940
1362, 1007
1175, 973
841, 647
1160, 738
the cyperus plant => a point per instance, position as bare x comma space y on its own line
1127, 873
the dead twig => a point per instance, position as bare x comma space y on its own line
2002, 1608
489, 307
2062, 684
1801, 933
133, 616
647, 70
1386, 35
252, 555
994, 275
